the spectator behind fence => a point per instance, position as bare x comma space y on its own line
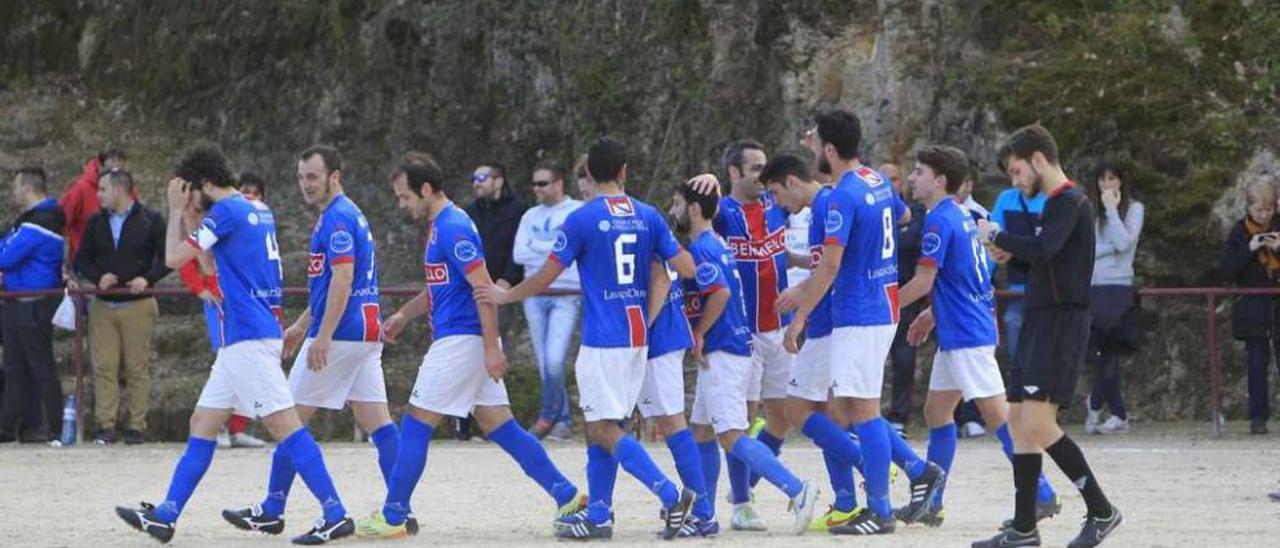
552, 317
1250, 259
1112, 299
30, 259
252, 186
80, 201
123, 248
902, 356
586, 188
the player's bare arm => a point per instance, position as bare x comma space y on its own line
798, 260
814, 288
789, 299
919, 286
418, 306
920, 328
494, 294
683, 264
296, 331
659, 289
176, 249
495, 362
705, 183
336, 302
711, 311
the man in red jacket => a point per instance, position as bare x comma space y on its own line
80, 201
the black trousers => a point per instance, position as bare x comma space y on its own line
30, 370
1258, 352
902, 359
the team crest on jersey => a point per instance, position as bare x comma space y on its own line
870, 176
869, 198
562, 241
253, 218
436, 273
620, 206
315, 265
930, 243
707, 274
465, 251
341, 242
834, 221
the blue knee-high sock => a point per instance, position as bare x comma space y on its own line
739, 479
602, 473
411, 460
279, 482
774, 444
760, 458
684, 451
841, 474
877, 451
533, 459
709, 454
387, 439
1044, 490
191, 466
633, 458
942, 451
903, 455
830, 437
309, 463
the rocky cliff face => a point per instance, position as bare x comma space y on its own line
1184, 92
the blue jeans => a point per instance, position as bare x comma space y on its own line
552, 320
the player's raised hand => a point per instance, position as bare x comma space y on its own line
318, 353
791, 339
293, 336
491, 294
789, 300
919, 329
705, 184
495, 363
392, 327
178, 194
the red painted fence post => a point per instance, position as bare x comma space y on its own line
1215, 373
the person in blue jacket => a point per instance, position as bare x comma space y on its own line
31, 259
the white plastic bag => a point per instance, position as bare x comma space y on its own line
65, 316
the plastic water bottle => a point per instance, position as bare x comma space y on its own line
69, 422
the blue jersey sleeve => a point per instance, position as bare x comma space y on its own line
462, 248
338, 239
709, 275
569, 241
935, 242
899, 207
217, 224
840, 217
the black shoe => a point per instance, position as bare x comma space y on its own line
1097, 530
104, 436
8, 438
578, 527
923, 489
1258, 427
323, 531
679, 514
865, 523
1274, 496
133, 437
1009, 538
251, 519
144, 519
1045, 509
411, 525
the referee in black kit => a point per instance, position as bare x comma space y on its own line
1053, 338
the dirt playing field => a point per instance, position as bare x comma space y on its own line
1176, 487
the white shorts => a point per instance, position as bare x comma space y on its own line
662, 393
972, 371
452, 380
247, 378
771, 366
609, 381
858, 354
721, 397
811, 374
353, 373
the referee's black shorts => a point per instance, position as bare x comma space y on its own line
1051, 349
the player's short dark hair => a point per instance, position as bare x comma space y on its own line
733, 152
841, 129
110, 153
118, 177
947, 161
556, 168
606, 159
423, 172
205, 162
250, 178
707, 202
33, 177
1028, 140
330, 155
782, 165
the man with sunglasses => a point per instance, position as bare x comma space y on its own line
552, 316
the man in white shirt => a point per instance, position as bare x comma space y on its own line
553, 315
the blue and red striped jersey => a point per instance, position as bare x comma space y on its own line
756, 234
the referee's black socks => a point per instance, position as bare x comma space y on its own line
1026, 477
1071, 461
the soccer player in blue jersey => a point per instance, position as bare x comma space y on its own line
859, 265
953, 269
241, 237
340, 359
722, 348
462, 372
618, 243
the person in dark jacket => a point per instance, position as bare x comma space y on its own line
902, 356
31, 259
123, 248
1251, 258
